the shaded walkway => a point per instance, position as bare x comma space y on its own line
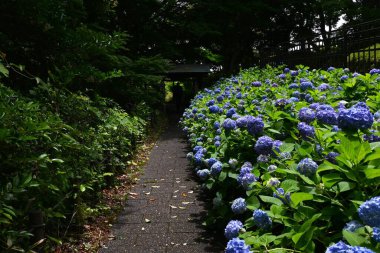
164, 211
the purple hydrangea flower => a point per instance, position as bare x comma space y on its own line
314, 106
229, 124
245, 179
369, 212
293, 86
254, 125
216, 125
323, 87
264, 145
231, 112
306, 85
256, 83
343, 78
232, 229
220, 98
261, 219
286, 70
374, 71
327, 115
239, 206
331, 157
306, 131
236, 245
356, 117
307, 167
330, 69
294, 73
241, 122
282, 76
306, 115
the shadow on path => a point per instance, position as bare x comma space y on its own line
166, 208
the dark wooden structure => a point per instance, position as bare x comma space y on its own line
356, 47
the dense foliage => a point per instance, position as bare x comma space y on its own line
292, 157
58, 150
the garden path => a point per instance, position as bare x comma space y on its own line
165, 209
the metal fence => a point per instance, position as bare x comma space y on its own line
356, 47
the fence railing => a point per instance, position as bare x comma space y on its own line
356, 47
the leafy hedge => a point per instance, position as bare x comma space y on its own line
58, 149
290, 155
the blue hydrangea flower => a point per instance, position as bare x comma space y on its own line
369, 212
330, 69
231, 112
216, 168
203, 174
217, 143
217, 138
232, 229
256, 83
276, 147
216, 125
281, 102
352, 226
358, 249
327, 115
374, 71
306, 85
293, 86
281, 195
307, 167
229, 124
242, 122
371, 138
264, 145
314, 106
272, 168
339, 247
211, 161
376, 234
239, 95
254, 125
263, 159
282, 76
331, 157
294, 73
335, 128
245, 179
237, 245
376, 115
323, 87
210, 103
356, 117
285, 155
293, 99
220, 98
239, 206
343, 78
309, 98
198, 158
214, 109
306, 131
355, 74
286, 70
306, 114
261, 219
274, 85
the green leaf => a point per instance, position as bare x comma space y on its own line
253, 202
353, 239
82, 188
298, 197
57, 160
303, 239
287, 147
290, 185
346, 186
330, 179
272, 200
4, 70
372, 173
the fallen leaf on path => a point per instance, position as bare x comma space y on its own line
147, 221
173, 206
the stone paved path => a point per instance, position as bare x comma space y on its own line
165, 211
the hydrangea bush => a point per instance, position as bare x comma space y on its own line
292, 157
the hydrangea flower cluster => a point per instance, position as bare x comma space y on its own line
376, 234
323, 87
281, 195
237, 245
256, 84
369, 212
214, 109
216, 168
331, 157
306, 131
203, 174
239, 206
232, 229
307, 167
341, 247
306, 114
229, 124
352, 226
245, 177
306, 85
356, 117
261, 219
264, 145
374, 71
327, 115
